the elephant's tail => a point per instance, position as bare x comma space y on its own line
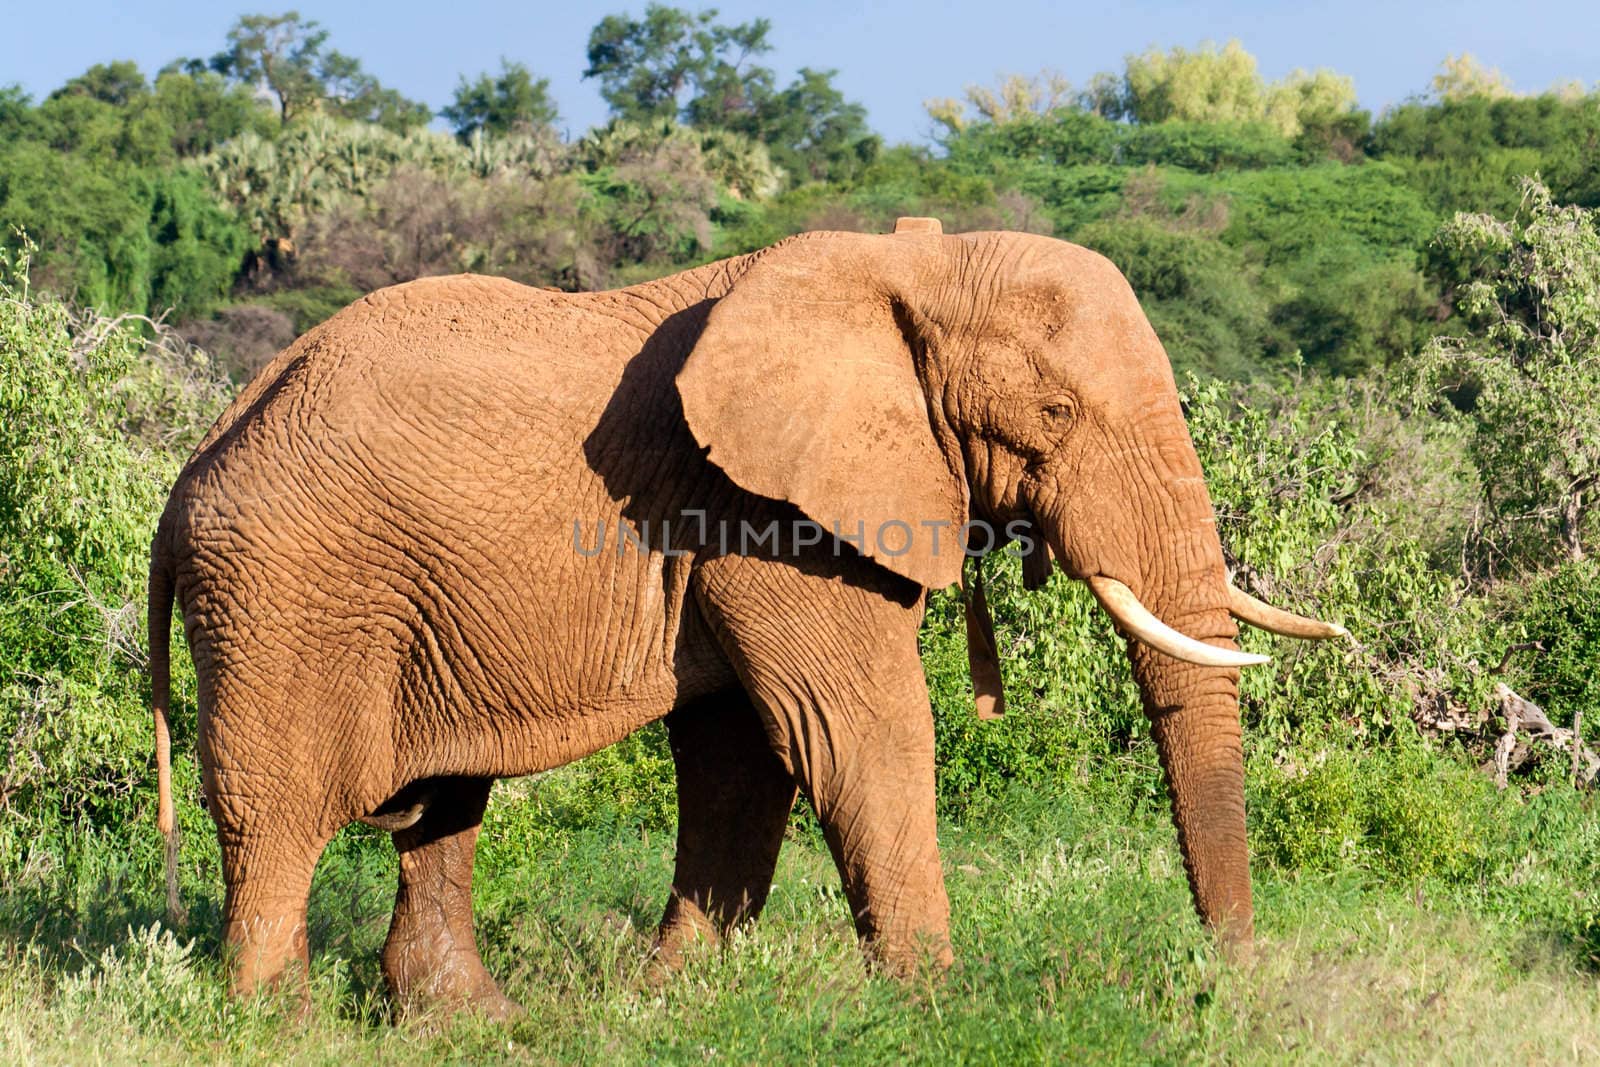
160, 626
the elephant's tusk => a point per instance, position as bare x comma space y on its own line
1259, 613
1137, 621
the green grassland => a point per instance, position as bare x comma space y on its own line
1071, 920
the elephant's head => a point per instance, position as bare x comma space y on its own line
915, 382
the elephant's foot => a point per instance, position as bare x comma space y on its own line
909, 956
266, 957
684, 929
436, 976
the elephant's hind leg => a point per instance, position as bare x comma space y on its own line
734, 798
263, 796
268, 875
430, 959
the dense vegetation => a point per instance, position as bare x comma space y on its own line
1388, 333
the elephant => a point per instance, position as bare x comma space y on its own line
467, 529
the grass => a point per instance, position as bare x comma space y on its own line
1072, 925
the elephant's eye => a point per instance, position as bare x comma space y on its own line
1059, 410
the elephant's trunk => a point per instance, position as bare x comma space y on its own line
1194, 716
1176, 615
1194, 707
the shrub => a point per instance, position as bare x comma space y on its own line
1560, 609
88, 408
1527, 375
1207, 146
1399, 811
1071, 702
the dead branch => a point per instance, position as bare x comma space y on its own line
1577, 744
1524, 716
1522, 646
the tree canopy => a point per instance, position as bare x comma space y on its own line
513, 101
284, 56
676, 64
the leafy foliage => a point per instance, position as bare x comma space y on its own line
512, 102
116, 237
1528, 373
646, 66
1560, 610
672, 64
1205, 86
93, 421
284, 56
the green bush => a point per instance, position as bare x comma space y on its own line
1206, 146
1345, 311
1067, 138
1397, 811
82, 478
1560, 609
1071, 702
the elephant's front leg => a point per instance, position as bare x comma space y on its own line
431, 956
872, 786
734, 798
833, 667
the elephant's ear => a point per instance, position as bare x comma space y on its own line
804, 387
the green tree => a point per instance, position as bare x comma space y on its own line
284, 56
812, 131
87, 220
116, 237
203, 110
16, 109
1465, 152
1018, 98
1528, 372
118, 83
1463, 76
646, 66
109, 112
1223, 85
349, 92
674, 64
276, 53
512, 101
1204, 85
80, 125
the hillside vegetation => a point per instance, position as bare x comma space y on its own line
1387, 332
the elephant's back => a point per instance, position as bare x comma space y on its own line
403, 332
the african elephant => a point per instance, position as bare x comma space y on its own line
467, 529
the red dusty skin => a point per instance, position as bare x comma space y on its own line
374, 551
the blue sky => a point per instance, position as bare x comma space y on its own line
891, 54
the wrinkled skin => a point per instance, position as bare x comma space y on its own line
375, 558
